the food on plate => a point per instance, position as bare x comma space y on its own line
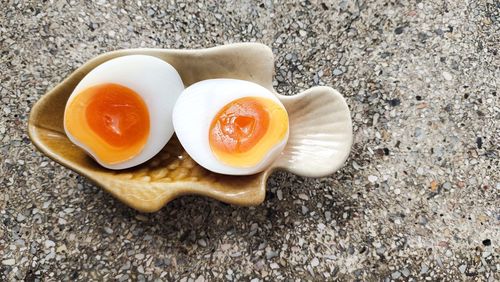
121, 112
231, 126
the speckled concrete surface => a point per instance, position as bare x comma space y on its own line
417, 200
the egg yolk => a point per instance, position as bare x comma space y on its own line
109, 119
246, 129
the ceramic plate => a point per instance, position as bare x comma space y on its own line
319, 143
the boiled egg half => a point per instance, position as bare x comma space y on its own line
231, 126
121, 111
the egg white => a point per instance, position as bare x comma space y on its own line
159, 85
199, 104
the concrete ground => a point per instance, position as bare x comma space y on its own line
418, 199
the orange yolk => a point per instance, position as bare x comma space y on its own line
239, 126
109, 119
243, 131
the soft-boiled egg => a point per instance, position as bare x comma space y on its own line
121, 111
231, 126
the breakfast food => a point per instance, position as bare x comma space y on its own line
231, 126
121, 111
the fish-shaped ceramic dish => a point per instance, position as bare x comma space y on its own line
319, 143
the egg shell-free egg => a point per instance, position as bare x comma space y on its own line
155, 81
195, 110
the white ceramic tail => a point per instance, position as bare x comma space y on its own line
320, 132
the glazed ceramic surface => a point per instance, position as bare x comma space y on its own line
319, 143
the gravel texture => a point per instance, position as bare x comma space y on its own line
417, 200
